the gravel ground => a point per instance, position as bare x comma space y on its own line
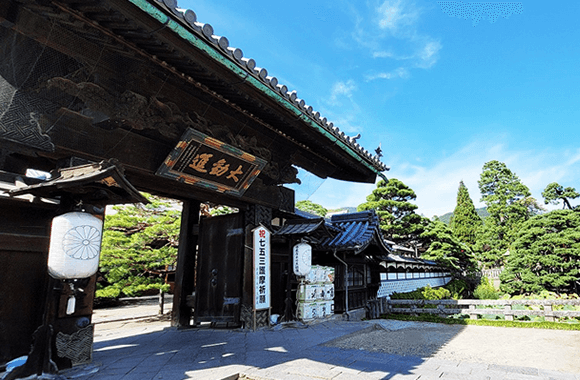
548, 349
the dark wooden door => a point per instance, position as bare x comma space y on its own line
219, 269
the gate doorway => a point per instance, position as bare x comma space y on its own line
219, 269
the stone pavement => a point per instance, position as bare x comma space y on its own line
151, 350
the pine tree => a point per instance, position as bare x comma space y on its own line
508, 203
554, 193
311, 207
138, 242
545, 255
398, 219
465, 220
447, 250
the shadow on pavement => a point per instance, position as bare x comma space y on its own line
324, 350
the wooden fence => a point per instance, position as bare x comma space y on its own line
549, 309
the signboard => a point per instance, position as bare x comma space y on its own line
261, 268
205, 162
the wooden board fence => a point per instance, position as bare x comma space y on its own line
507, 308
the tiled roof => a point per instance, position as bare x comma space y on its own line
408, 260
300, 226
358, 231
188, 18
102, 182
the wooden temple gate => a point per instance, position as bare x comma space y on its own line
143, 87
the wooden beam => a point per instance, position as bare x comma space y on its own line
141, 157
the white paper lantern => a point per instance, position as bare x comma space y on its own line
75, 245
302, 259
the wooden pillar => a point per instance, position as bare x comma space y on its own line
185, 271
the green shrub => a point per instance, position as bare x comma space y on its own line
426, 293
485, 290
458, 288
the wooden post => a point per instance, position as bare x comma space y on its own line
161, 301
472, 315
185, 271
508, 313
549, 315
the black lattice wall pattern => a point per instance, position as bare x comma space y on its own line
246, 316
257, 214
262, 318
78, 346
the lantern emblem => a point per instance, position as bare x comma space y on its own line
75, 245
82, 242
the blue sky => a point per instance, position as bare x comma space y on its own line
440, 95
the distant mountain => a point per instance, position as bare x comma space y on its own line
446, 218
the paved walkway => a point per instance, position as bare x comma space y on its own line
149, 349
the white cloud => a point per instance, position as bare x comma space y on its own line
391, 32
384, 54
436, 184
341, 108
394, 15
341, 89
401, 72
429, 54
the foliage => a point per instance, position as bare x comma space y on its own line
465, 220
446, 249
392, 202
222, 210
543, 295
546, 255
311, 207
482, 212
483, 322
138, 242
554, 193
426, 293
455, 289
485, 290
508, 204
459, 289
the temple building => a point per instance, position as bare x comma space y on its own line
115, 97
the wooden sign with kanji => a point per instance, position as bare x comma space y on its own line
205, 162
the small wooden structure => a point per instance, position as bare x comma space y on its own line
366, 265
183, 113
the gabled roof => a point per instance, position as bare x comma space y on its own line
163, 41
289, 98
358, 231
102, 183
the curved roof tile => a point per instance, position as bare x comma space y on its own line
189, 18
358, 231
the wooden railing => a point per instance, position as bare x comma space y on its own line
474, 308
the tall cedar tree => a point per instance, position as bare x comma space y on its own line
465, 220
391, 200
545, 256
554, 193
509, 205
